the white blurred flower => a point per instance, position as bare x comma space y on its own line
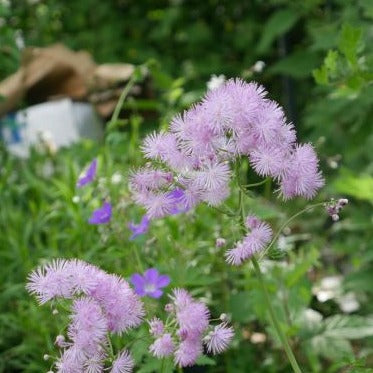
312, 316
348, 302
259, 66
215, 82
116, 178
258, 338
47, 141
329, 288
47, 169
20, 41
76, 199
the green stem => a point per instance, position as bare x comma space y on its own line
139, 263
225, 212
275, 322
122, 97
286, 223
282, 336
111, 350
256, 184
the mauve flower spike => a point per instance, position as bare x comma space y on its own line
150, 284
88, 175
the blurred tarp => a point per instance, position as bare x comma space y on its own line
58, 72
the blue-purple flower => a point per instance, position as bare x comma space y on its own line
139, 229
101, 215
178, 201
88, 175
150, 284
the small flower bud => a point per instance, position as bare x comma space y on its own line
168, 307
252, 222
343, 201
55, 312
223, 317
207, 338
183, 334
258, 67
220, 242
335, 217
45, 357
60, 339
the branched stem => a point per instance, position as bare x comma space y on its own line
256, 184
275, 237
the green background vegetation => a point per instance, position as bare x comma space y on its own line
318, 57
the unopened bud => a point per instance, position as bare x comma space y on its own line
168, 307
60, 339
183, 334
223, 317
220, 242
207, 338
46, 357
55, 312
343, 201
335, 217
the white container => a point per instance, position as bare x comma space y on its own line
59, 123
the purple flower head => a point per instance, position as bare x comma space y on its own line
162, 346
235, 120
139, 229
150, 284
68, 278
219, 338
88, 175
253, 242
156, 327
101, 215
185, 340
123, 363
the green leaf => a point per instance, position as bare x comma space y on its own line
302, 267
278, 24
321, 75
331, 348
298, 65
360, 187
205, 360
330, 61
240, 306
361, 280
349, 42
348, 327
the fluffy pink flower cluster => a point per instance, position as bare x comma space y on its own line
102, 303
187, 331
259, 236
236, 119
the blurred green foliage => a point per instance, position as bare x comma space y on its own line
318, 57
